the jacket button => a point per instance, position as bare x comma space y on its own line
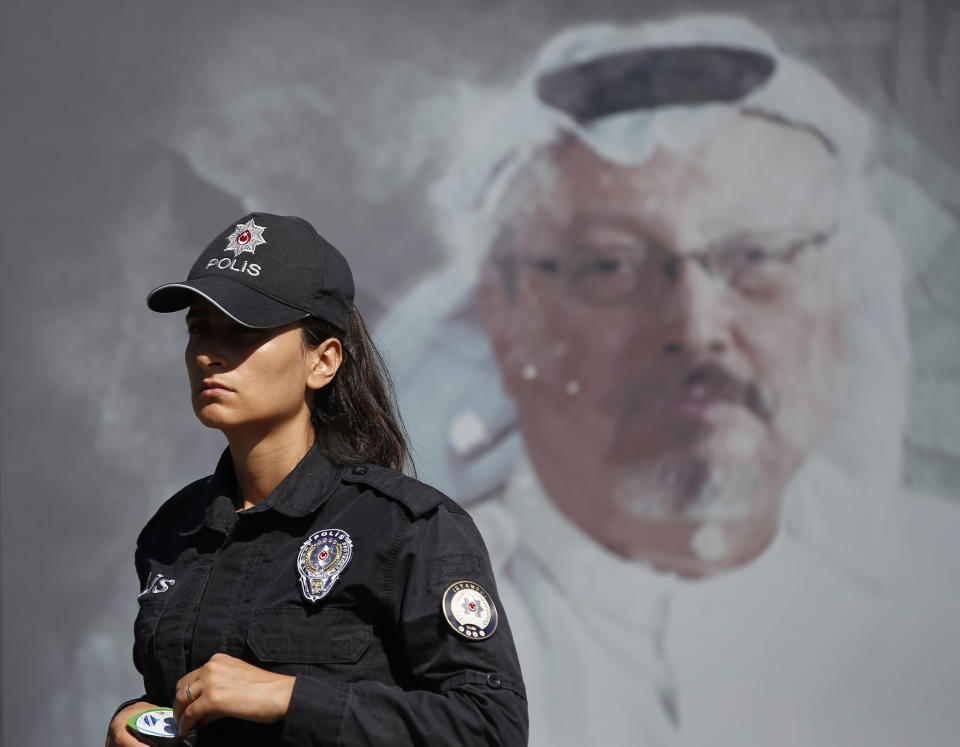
360, 470
493, 680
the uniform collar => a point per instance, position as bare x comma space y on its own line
216, 494
302, 491
306, 487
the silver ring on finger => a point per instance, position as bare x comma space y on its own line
189, 694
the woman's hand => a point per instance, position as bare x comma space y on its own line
118, 735
226, 686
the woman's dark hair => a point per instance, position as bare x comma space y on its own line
355, 416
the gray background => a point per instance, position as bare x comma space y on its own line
133, 132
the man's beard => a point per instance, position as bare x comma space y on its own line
686, 486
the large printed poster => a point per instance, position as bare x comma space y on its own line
668, 292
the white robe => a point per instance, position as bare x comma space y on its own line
786, 650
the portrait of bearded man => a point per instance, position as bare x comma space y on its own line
666, 371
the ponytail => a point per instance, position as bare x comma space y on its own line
355, 416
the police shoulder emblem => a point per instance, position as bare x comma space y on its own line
321, 560
245, 238
469, 610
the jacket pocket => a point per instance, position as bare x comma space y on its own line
289, 635
145, 630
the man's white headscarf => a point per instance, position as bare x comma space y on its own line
446, 372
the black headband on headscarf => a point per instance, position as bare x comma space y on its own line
649, 78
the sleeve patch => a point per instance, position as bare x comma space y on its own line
469, 610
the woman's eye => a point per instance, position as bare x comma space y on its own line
245, 337
249, 335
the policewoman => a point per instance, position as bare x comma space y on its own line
307, 592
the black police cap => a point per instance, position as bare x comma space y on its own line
265, 271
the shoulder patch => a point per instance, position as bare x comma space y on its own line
418, 498
469, 610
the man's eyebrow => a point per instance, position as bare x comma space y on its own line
798, 231
583, 223
786, 238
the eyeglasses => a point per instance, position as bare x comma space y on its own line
751, 265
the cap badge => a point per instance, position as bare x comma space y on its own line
469, 610
321, 560
245, 238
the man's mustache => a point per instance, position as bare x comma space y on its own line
707, 380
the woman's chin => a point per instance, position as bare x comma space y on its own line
211, 418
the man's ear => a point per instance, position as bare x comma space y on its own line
324, 360
496, 309
495, 302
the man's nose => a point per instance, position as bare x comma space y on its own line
695, 316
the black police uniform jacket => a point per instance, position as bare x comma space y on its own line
376, 660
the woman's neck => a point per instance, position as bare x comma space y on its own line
262, 461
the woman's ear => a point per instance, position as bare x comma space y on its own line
324, 360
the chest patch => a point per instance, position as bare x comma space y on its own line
156, 584
469, 610
321, 560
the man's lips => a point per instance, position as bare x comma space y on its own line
695, 402
704, 388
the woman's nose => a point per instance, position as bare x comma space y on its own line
207, 351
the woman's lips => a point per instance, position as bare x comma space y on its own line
210, 388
